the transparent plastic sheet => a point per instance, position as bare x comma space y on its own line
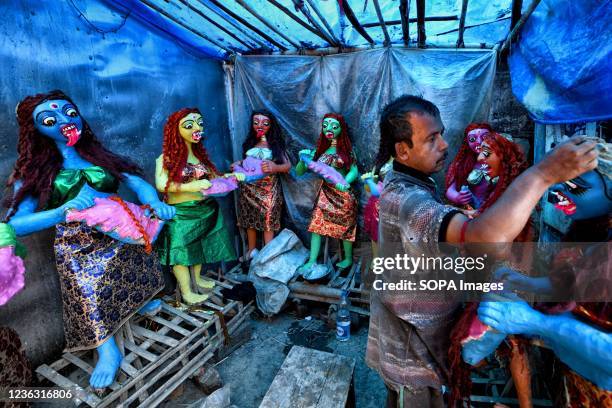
560, 68
299, 90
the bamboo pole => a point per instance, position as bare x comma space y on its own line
382, 23
213, 22
412, 20
185, 26
421, 35
518, 26
348, 11
464, 6
234, 25
300, 6
249, 25
268, 24
405, 19
298, 20
313, 5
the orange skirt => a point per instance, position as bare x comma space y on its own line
334, 214
260, 204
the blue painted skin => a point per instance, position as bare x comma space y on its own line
48, 117
584, 348
374, 189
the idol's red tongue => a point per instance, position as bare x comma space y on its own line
260, 133
71, 133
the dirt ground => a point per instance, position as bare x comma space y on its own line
250, 369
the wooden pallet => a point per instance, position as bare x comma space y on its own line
161, 352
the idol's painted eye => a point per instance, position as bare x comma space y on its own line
188, 125
49, 121
486, 153
472, 139
201, 123
266, 123
72, 112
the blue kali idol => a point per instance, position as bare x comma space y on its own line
62, 166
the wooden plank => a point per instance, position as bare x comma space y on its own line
140, 351
58, 379
61, 363
311, 378
185, 316
85, 367
171, 325
146, 333
177, 379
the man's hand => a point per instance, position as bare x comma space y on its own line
568, 160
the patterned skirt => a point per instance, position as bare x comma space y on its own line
16, 369
260, 204
334, 214
104, 282
581, 393
195, 236
370, 218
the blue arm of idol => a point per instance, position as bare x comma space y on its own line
584, 348
27, 221
374, 190
148, 195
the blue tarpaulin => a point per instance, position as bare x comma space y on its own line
219, 28
560, 67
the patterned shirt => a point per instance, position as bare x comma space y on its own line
409, 331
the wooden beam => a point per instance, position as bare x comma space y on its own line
213, 22
473, 25
299, 5
185, 26
348, 11
464, 6
268, 24
412, 20
235, 25
517, 7
382, 24
298, 20
518, 26
421, 36
313, 5
405, 18
249, 25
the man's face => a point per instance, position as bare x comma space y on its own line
429, 149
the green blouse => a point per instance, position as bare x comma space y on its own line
68, 183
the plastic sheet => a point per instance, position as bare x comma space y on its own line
273, 267
560, 67
487, 21
299, 90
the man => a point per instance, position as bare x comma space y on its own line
409, 331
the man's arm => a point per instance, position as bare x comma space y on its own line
505, 219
